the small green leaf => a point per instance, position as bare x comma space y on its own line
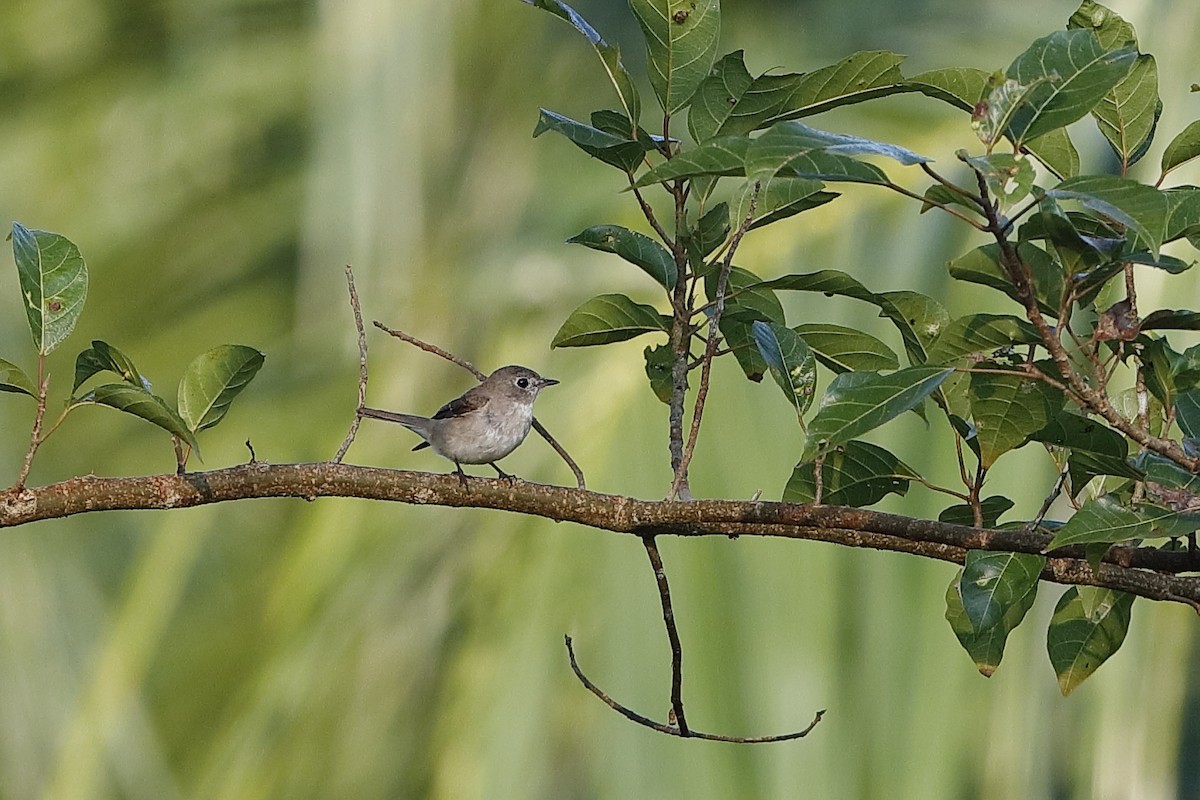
857, 402
1081, 433
712, 230
847, 350
681, 44
53, 281
790, 360
982, 266
1088, 626
1068, 73
1056, 152
992, 583
140, 403
1007, 410
625, 154
724, 156
1183, 148
608, 318
1187, 411
636, 248
659, 362
213, 380
962, 87
986, 646
1103, 519
1141, 208
779, 197
980, 333
853, 474
103, 357
13, 379
796, 149
962, 513
610, 55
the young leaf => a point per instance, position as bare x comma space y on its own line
992, 583
790, 360
13, 379
140, 403
853, 474
213, 380
1007, 410
847, 350
986, 646
1103, 519
681, 44
962, 513
608, 318
610, 55
979, 333
1068, 73
1141, 208
622, 153
53, 281
1183, 148
637, 249
857, 402
1088, 626
102, 357
659, 362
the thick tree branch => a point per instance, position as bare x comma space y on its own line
1143, 571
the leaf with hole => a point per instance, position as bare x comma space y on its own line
659, 363
54, 282
212, 381
681, 44
608, 318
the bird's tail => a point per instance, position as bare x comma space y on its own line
407, 420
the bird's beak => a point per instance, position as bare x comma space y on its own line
548, 382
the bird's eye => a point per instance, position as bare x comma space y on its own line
523, 383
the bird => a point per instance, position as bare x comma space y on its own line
483, 425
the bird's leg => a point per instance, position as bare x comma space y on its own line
462, 476
512, 479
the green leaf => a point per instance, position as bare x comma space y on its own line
963, 514
779, 197
986, 646
1183, 148
847, 350
962, 87
796, 149
608, 318
13, 379
746, 301
1056, 152
712, 230
659, 363
790, 360
1167, 319
1111, 30
982, 266
1068, 73
636, 248
1141, 208
992, 583
853, 474
681, 43
1183, 213
716, 102
1081, 433
141, 403
724, 156
103, 357
625, 154
1009, 177
1082, 466
1128, 115
1187, 411
1088, 626
857, 402
212, 381
1103, 519
610, 55
979, 333
1007, 410
53, 281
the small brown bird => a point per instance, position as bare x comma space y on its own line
482, 426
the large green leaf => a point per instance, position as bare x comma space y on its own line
852, 474
793, 148
845, 349
1187, 412
608, 318
1081, 433
53, 281
141, 403
1183, 213
103, 357
979, 333
1183, 148
610, 55
636, 248
1056, 152
790, 360
1088, 626
1111, 30
681, 44
778, 197
982, 266
715, 104
1067, 74
13, 379
724, 156
984, 646
1103, 519
212, 381
1141, 208
623, 153
962, 87
1007, 410
994, 582
857, 402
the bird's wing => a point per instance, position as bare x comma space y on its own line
471, 401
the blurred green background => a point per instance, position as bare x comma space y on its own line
218, 162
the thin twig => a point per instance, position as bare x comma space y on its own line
362, 367
680, 342
469, 367
664, 596
974, 223
710, 349
669, 730
35, 435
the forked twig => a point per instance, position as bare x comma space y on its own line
670, 730
471, 368
362, 367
